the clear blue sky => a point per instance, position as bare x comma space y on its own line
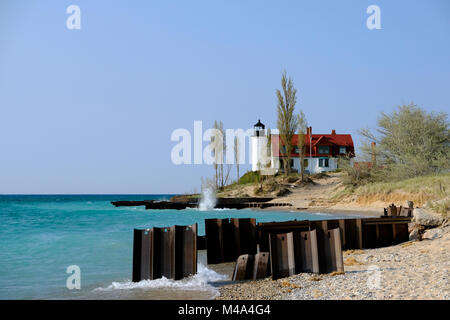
92, 110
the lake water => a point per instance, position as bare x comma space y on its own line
41, 235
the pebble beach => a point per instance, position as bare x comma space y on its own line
411, 270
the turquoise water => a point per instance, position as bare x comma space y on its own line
41, 235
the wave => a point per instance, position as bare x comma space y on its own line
215, 209
320, 213
198, 282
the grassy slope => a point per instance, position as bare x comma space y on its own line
250, 184
432, 190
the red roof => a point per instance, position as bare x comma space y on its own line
334, 141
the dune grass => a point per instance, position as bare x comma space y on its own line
249, 177
434, 186
432, 190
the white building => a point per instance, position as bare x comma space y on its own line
260, 155
321, 150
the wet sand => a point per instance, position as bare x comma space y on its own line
203, 286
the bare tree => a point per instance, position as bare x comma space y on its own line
287, 122
302, 127
227, 174
224, 174
222, 153
236, 156
221, 175
217, 145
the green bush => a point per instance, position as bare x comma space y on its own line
250, 177
410, 142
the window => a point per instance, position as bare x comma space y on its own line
323, 163
342, 150
296, 150
324, 149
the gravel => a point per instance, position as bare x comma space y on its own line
412, 270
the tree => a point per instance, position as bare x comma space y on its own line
218, 141
227, 175
217, 145
236, 155
302, 127
287, 122
410, 142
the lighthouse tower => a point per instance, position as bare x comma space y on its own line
259, 156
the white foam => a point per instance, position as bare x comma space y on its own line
199, 282
188, 208
320, 214
215, 209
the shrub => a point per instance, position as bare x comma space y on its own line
411, 142
250, 177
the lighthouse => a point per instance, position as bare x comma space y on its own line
260, 157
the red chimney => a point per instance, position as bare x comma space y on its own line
333, 132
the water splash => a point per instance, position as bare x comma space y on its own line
199, 282
208, 200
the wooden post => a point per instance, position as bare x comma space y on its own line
142, 240
309, 258
282, 255
260, 265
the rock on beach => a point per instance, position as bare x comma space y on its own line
411, 270
426, 218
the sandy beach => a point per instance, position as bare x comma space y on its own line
412, 270
318, 197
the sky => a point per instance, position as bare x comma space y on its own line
92, 110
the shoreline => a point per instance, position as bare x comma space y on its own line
411, 270
349, 212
